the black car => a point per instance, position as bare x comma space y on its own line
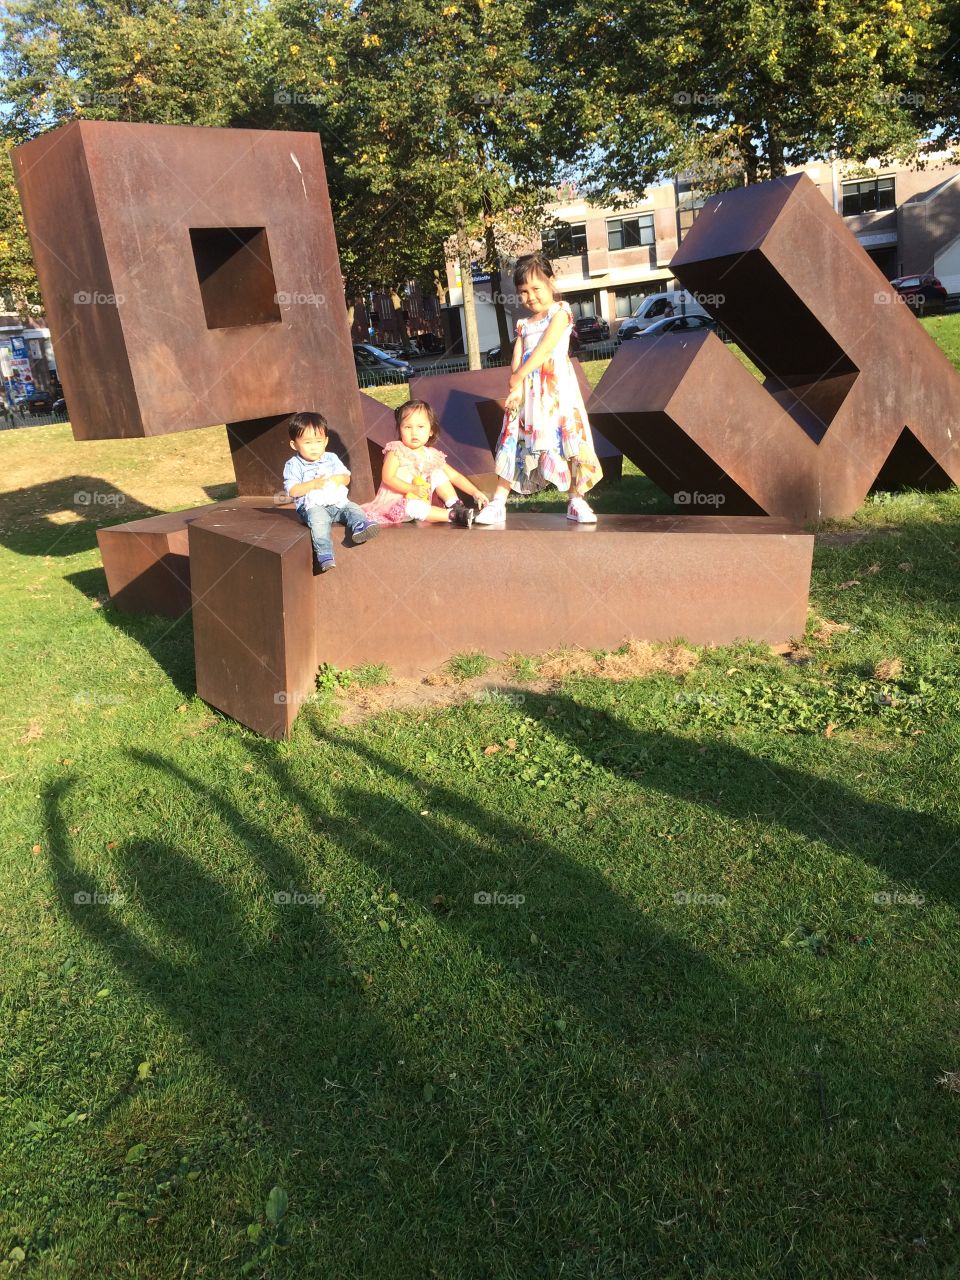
591, 329
43, 401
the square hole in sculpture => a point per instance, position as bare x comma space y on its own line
235, 276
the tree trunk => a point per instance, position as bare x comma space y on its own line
775, 152
471, 337
496, 282
400, 328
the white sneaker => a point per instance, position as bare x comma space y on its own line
580, 511
492, 513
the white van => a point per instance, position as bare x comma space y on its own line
654, 307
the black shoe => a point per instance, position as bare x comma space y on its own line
365, 532
323, 564
462, 515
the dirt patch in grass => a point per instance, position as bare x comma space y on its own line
634, 661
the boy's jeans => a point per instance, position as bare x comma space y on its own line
320, 518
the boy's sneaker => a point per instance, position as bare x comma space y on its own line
462, 515
580, 511
364, 532
492, 513
322, 563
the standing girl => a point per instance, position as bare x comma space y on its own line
546, 436
413, 470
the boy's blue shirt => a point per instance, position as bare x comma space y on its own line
297, 470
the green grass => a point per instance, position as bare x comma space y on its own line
465, 666
698, 1034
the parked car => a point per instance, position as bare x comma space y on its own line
429, 344
677, 324
376, 367
657, 306
591, 329
397, 350
42, 401
921, 292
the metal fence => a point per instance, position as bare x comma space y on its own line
16, 418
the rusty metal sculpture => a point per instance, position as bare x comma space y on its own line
191, 278
856, 395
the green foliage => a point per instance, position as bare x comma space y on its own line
732, 91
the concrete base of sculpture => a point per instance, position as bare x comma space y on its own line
418, 594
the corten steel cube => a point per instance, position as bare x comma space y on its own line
191, 278
147, 562
262, 622
856, 394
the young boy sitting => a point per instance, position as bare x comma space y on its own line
317, 481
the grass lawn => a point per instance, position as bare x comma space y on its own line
255, 1020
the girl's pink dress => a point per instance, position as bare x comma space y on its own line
390, 507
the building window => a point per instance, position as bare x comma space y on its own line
628, 300
689, 205
564, 240
631, 233
582, 304
868, 197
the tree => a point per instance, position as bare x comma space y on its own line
744, 88
19, 289
433, 114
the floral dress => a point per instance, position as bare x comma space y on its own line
423, 467
547, 440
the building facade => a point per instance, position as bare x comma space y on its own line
607, 260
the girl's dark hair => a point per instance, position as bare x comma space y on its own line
411, 406
301, 422
534, 264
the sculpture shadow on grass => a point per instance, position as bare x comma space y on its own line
330, 1034
30, 526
